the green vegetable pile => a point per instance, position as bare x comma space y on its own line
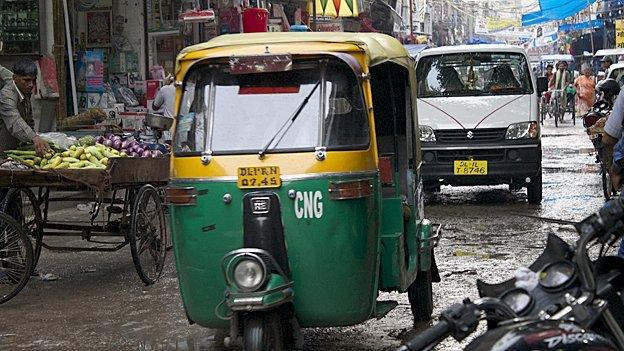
96, 156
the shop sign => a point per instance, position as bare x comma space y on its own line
334, 26
619, 34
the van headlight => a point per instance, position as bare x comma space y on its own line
249, 273
426, 133
524, 130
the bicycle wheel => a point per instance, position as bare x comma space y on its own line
556, 112
23, 206
607, 188
16, 258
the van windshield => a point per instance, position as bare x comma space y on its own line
476, 73
296, 110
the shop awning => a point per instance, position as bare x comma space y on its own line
553, 10
583, 25
337, 8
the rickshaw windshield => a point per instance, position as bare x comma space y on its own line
315, 104
473, 73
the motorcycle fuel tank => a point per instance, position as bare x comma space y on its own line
540, 335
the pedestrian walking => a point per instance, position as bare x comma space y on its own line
585, 86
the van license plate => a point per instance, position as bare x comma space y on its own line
259, 177
470, 167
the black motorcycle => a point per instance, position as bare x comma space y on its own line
576, 305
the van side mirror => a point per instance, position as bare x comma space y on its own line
542, 85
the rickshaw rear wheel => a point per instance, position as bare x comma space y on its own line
148, 235
23, 206
420, 295
262, 332
16, 258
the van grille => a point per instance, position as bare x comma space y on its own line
478, 135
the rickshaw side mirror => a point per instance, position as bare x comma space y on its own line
542, 85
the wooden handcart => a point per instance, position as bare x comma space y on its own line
125, 205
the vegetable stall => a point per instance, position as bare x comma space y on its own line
117, 182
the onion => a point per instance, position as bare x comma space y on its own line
146, 153
99, 139
139, 150
116, 137
107, 142
157, 153
125, 144
133, 154
117, 144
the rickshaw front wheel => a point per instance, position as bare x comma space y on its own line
420, 295
262, 332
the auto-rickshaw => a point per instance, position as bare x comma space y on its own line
295, 193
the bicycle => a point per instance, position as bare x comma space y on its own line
557, 110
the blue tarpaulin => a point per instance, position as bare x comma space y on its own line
480, 40
552, 10
583, 25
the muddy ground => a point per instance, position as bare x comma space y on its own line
95, 301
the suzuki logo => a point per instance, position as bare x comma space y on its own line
470, 134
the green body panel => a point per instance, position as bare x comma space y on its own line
334, 259
399, 254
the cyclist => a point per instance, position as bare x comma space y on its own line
562, 78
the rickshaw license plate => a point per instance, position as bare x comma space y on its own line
259, 177
470, 167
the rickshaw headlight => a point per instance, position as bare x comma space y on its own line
249, 274
524, 130
426, 133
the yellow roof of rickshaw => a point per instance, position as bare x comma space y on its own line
379, 47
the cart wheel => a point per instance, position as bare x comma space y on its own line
147, 235
16, 258
23, 206
262, 332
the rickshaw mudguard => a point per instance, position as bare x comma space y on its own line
333, 249
274, 293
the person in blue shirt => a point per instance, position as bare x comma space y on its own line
613, 138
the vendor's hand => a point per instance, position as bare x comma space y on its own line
41, 146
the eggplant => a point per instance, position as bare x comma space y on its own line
117, 144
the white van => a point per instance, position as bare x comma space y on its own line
478, 121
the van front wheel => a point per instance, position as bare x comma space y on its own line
534, 190
420, 295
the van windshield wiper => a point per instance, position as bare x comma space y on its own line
290, 119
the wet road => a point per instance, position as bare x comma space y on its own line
99, 303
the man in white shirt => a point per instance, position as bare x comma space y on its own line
165, 98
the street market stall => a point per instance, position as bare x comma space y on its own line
122, 189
